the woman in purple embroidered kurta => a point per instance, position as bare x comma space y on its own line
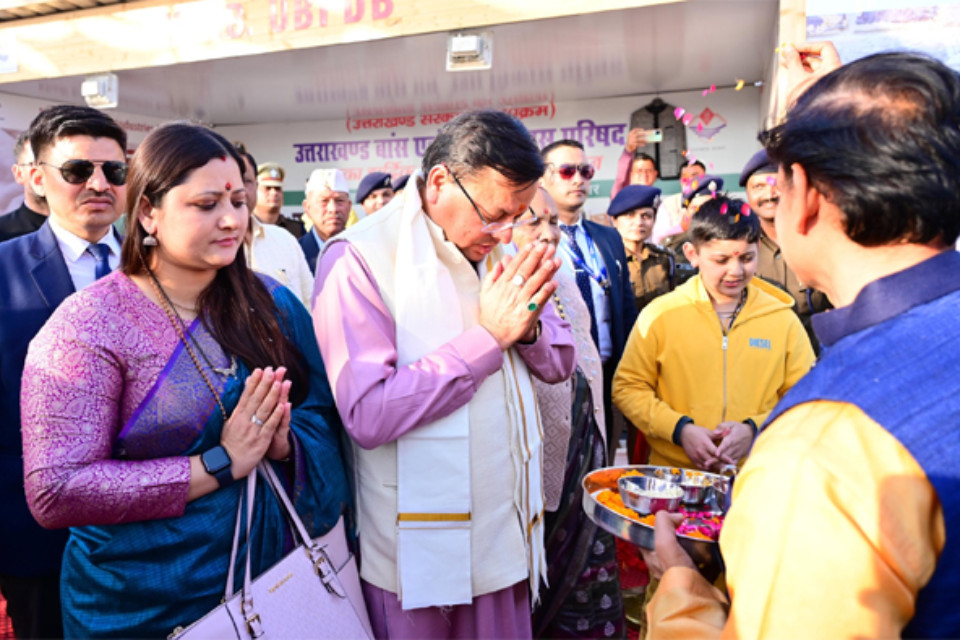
150, 392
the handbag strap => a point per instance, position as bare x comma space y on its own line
249, 495
234, 549
321, 561
274, 483
247, 601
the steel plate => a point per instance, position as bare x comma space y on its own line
705, 553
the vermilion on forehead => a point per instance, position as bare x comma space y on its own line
726, 248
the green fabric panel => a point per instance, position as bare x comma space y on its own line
293, 198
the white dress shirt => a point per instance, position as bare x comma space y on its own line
276, 253
80, 263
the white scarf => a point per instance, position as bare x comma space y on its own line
434, 499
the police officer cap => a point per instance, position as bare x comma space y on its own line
270, 174
703, 186
759, 163
400, 182
635, 196
371, 182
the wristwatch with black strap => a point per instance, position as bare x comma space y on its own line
217, 463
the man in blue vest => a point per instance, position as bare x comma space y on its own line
843, 513
81, 171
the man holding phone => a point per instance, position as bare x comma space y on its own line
633, 167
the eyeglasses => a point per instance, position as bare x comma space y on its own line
79, 171
567, 171
496, 227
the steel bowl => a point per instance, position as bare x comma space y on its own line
646, 495
696, 487
704, 491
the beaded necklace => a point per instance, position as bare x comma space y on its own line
179, 325
559, 306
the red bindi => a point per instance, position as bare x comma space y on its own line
228, 186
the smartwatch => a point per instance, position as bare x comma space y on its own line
217, 463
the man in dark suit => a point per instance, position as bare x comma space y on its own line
327, 204
595, 255
311, 249
31, 215
81, 171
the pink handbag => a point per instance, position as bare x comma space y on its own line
313, 592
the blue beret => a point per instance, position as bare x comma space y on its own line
400, 182
759, 163
702, 186
635, 196
371, 182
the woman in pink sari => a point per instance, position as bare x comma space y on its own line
148, 394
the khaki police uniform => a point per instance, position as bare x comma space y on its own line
773, 268
652, 273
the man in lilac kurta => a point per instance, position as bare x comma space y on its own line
415, 395
485, 327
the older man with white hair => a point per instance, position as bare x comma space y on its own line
327, 205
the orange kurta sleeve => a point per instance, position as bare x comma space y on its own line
686, 606
834, 529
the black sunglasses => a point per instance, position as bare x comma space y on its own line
79, 171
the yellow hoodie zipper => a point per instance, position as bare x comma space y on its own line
723, 416
726, 342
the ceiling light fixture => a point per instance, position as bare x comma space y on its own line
469, 50
100, 91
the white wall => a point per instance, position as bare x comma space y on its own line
397, 146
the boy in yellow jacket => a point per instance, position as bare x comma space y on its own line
707, 362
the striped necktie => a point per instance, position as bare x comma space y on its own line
583, 280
